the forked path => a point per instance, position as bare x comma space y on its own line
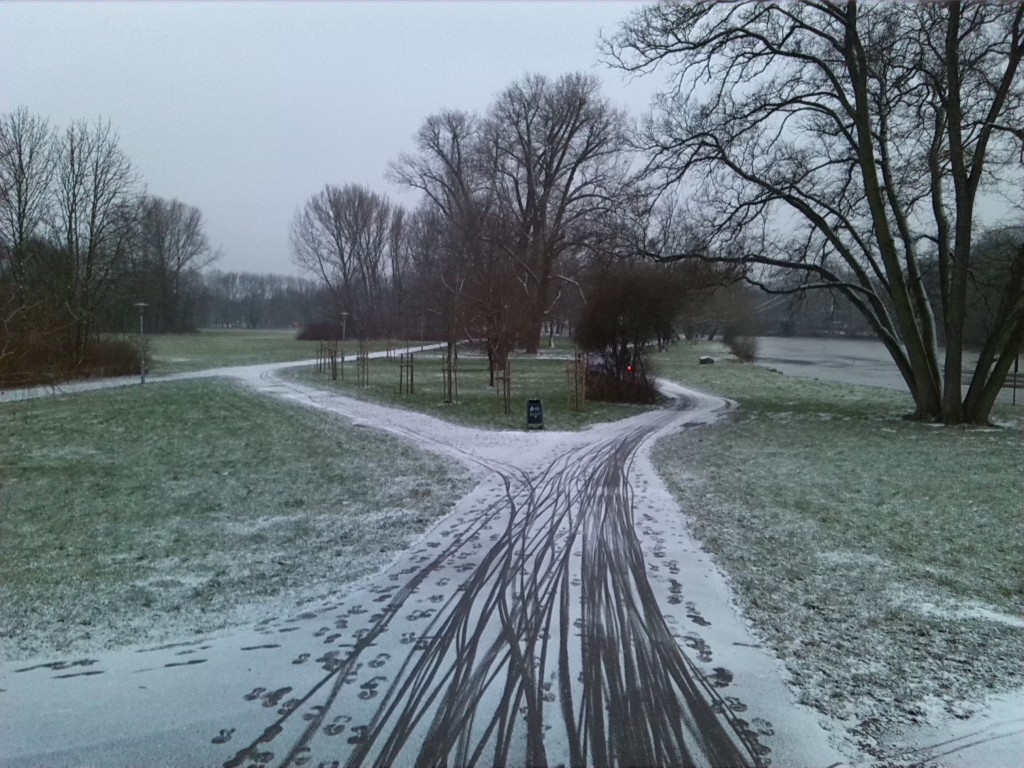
561, 615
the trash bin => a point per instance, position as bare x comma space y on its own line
534, 414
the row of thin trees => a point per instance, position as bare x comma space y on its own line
853, 150
80, 242
515, 204
259, 300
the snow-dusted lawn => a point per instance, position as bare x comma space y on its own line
219, 347
542, 377
222, 347
129, 515
880, 558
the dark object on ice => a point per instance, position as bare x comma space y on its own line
705, 360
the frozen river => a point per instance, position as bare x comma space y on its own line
849, 361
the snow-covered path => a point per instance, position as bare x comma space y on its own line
560, 615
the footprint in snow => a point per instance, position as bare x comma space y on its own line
337, 725
273, 698
314, 713
763, 727
720, 677
736, 705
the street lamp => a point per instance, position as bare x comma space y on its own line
142, 343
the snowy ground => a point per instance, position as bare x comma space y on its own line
879, 558
549, 508
145, 514
53, 721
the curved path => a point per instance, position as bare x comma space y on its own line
559, 616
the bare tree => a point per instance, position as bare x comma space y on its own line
840, 141
342, 236
556, 152
448, 168
172, 249
398, 312
97, 197
440, 274
26, 174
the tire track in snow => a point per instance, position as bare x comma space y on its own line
543, 644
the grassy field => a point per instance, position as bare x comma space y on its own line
218, 347
178, 505
881, 558
543, 377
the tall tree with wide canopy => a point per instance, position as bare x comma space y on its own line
97, 200
172, 249
450, 167
556, 154
855, 145
343, 236
446, 168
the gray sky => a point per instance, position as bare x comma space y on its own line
245, 109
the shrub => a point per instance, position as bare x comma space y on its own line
109, 357
632, 387
321, 331
39, 357
743, 346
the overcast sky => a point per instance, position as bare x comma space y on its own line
245, 109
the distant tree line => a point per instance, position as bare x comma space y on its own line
791, 311
248, 300
81, 241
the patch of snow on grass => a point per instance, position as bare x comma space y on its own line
142, 514
953, 611
840, 535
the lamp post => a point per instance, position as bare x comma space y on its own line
142, 343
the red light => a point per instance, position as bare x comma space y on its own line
629, 368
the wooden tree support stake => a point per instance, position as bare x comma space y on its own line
576, 383
406, 374
450, 374
363, 365
503, 388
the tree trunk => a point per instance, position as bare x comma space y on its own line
531, 333
977, 407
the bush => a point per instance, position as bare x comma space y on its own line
43, 358
109, 357
321, 331
633, 387
743, 346
741, 330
